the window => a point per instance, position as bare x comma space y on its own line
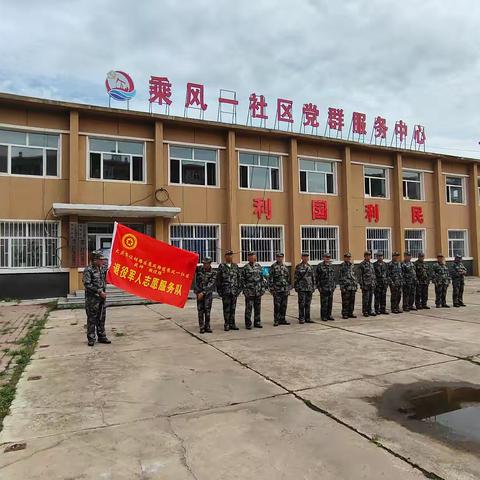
24, 153
202, 239
457, 243
29, 244
259, 172
116, 160
412, 185
317, 176
415, 241
454, 189
375, 182
478, 189
193, 166
266, 241
378, 240
320, 240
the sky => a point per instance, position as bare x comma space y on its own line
409, 60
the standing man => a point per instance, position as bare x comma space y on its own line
381, 285
204, 286
229, 286
423, 279
279, 286
395, 276
458, 272
409, 282
441, 280
366, 279
304, 285
95, 298
254, 286
348, 286
326, 284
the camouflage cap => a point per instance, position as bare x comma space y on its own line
326, 254
279, 254
421, 254
458, 256
379, 254
305, 254
367, 252
98, 255
251, 252
407, 254
347, 254
207, 260
440, 255
395, 254
229, 252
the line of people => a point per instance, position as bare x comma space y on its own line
406, 279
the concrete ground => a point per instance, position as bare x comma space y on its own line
291, 402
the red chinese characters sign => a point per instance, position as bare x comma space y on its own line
372, 212
319, 210
149, 268
417, 215
262, 206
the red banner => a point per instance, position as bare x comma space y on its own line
149, 268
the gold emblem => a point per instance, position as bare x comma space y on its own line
129, 241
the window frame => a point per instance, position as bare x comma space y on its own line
337, 238
421, 182
256, 225
319, 160
424, 240
463, 186
116, 140
194, 146
387, 181
466, 240
271, 154
389, 229
27, 132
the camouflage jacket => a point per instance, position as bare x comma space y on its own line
395, 274
279, 279
458, 272
229, 279
381, 274
346, 277
304, 278
253, 282
440, 274
325, 274
409, 274
366, 275
205, 280
423, 272
94, 280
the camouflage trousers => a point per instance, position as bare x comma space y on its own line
326, 302
408, 296
395, 297
380, 298
348, 302
367, 297
255, 304
96, 313
204, 306
229, 302
440, 294
457, 292
280, 302
304, 304
421, 295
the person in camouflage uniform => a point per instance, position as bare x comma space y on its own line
204, 286
95, 297
367, 280
441, 280
395, 276
409, 282
326, 284
423, 279
229, 286
457, 273
381, 285
279, 286
254, 286
348, 286
304, 284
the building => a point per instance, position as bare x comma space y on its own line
67, 171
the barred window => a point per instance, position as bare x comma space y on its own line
457, 243
193, 166
259, 172
415, 241
266, 241
378, 240
202, 239
33, 244
317, 241
455, 187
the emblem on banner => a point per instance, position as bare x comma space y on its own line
129, 241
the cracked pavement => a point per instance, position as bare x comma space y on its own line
163, 402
